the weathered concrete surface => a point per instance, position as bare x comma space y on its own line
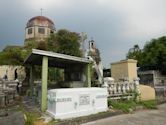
146, 117
15, 118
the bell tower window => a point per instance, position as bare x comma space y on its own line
30, 31
41, 30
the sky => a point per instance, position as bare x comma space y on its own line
115, 25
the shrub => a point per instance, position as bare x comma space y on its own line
125, 106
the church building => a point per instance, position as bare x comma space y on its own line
38, 28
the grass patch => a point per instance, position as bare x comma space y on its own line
53, 122
152, 104
29, 117
125, 106
129, 106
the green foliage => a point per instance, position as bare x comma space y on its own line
55, 74
29, 117
53, 122
63, 41
42, 45
11, 57
125, 106
52, 43
131, 105
16, 55
151, 104
136, 96
135, 53
153, 54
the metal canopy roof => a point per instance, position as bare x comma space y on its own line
54, 59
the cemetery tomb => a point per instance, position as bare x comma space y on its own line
75, 102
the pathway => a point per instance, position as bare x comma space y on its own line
145, 117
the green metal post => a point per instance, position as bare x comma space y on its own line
88, 75
31, 80
44, 83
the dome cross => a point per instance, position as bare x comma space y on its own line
41, 11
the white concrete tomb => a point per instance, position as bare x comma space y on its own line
75, 102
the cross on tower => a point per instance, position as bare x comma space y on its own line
41, 11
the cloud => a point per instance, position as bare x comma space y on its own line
141, 17
115, 25
45, 3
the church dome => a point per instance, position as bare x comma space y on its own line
40, 21
39, 28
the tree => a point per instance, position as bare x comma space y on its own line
11, 56
65, 42
153, 54
42, 45
135, 53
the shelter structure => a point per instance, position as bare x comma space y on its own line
74, 67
